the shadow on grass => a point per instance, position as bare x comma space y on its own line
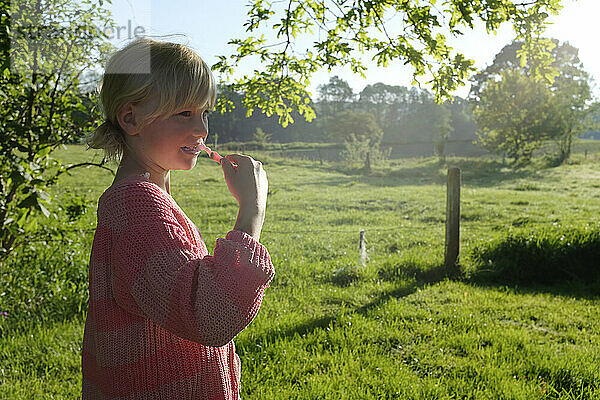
569, 289
426, 275
478, 172
323, 322
486, 173
409, 281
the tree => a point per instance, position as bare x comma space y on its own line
421, 119
231, 125
514, 115
573, 96
45, 46
387, 103
261, 136
562, 103
463, 126
407, 32
563, 58
361, 125
334, 96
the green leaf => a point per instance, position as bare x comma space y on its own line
43, 195
44, 152
43, 209
22, 218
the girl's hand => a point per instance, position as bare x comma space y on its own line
248, 184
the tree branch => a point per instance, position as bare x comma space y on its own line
89, 164
53, 95
287, 33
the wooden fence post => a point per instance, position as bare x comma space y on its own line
362, 249
452, 218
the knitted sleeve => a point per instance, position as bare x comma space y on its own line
159, 273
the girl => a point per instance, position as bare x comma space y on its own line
162, 311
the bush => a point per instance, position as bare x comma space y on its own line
547, 257
356, 151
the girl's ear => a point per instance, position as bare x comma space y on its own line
127, 119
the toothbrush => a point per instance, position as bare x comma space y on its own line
213, 155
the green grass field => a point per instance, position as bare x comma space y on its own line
329, 329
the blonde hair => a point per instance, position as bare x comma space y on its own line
147, 69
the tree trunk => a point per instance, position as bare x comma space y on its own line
368, 163
568, 149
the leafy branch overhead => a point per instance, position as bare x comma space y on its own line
410, 32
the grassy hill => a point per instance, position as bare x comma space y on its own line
328, 328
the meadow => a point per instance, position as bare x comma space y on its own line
401, 327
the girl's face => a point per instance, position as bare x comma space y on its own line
161, 143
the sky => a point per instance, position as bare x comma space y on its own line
207, 26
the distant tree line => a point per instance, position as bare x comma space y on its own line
511, 110
380, 112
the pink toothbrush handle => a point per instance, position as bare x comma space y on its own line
217, 158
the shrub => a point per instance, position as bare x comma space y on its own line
547, 256
356, 151
261, 136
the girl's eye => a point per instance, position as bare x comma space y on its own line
186, 113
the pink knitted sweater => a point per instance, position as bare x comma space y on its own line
163, 312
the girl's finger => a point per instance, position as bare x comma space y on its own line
227, 165
231, 161
239, 158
